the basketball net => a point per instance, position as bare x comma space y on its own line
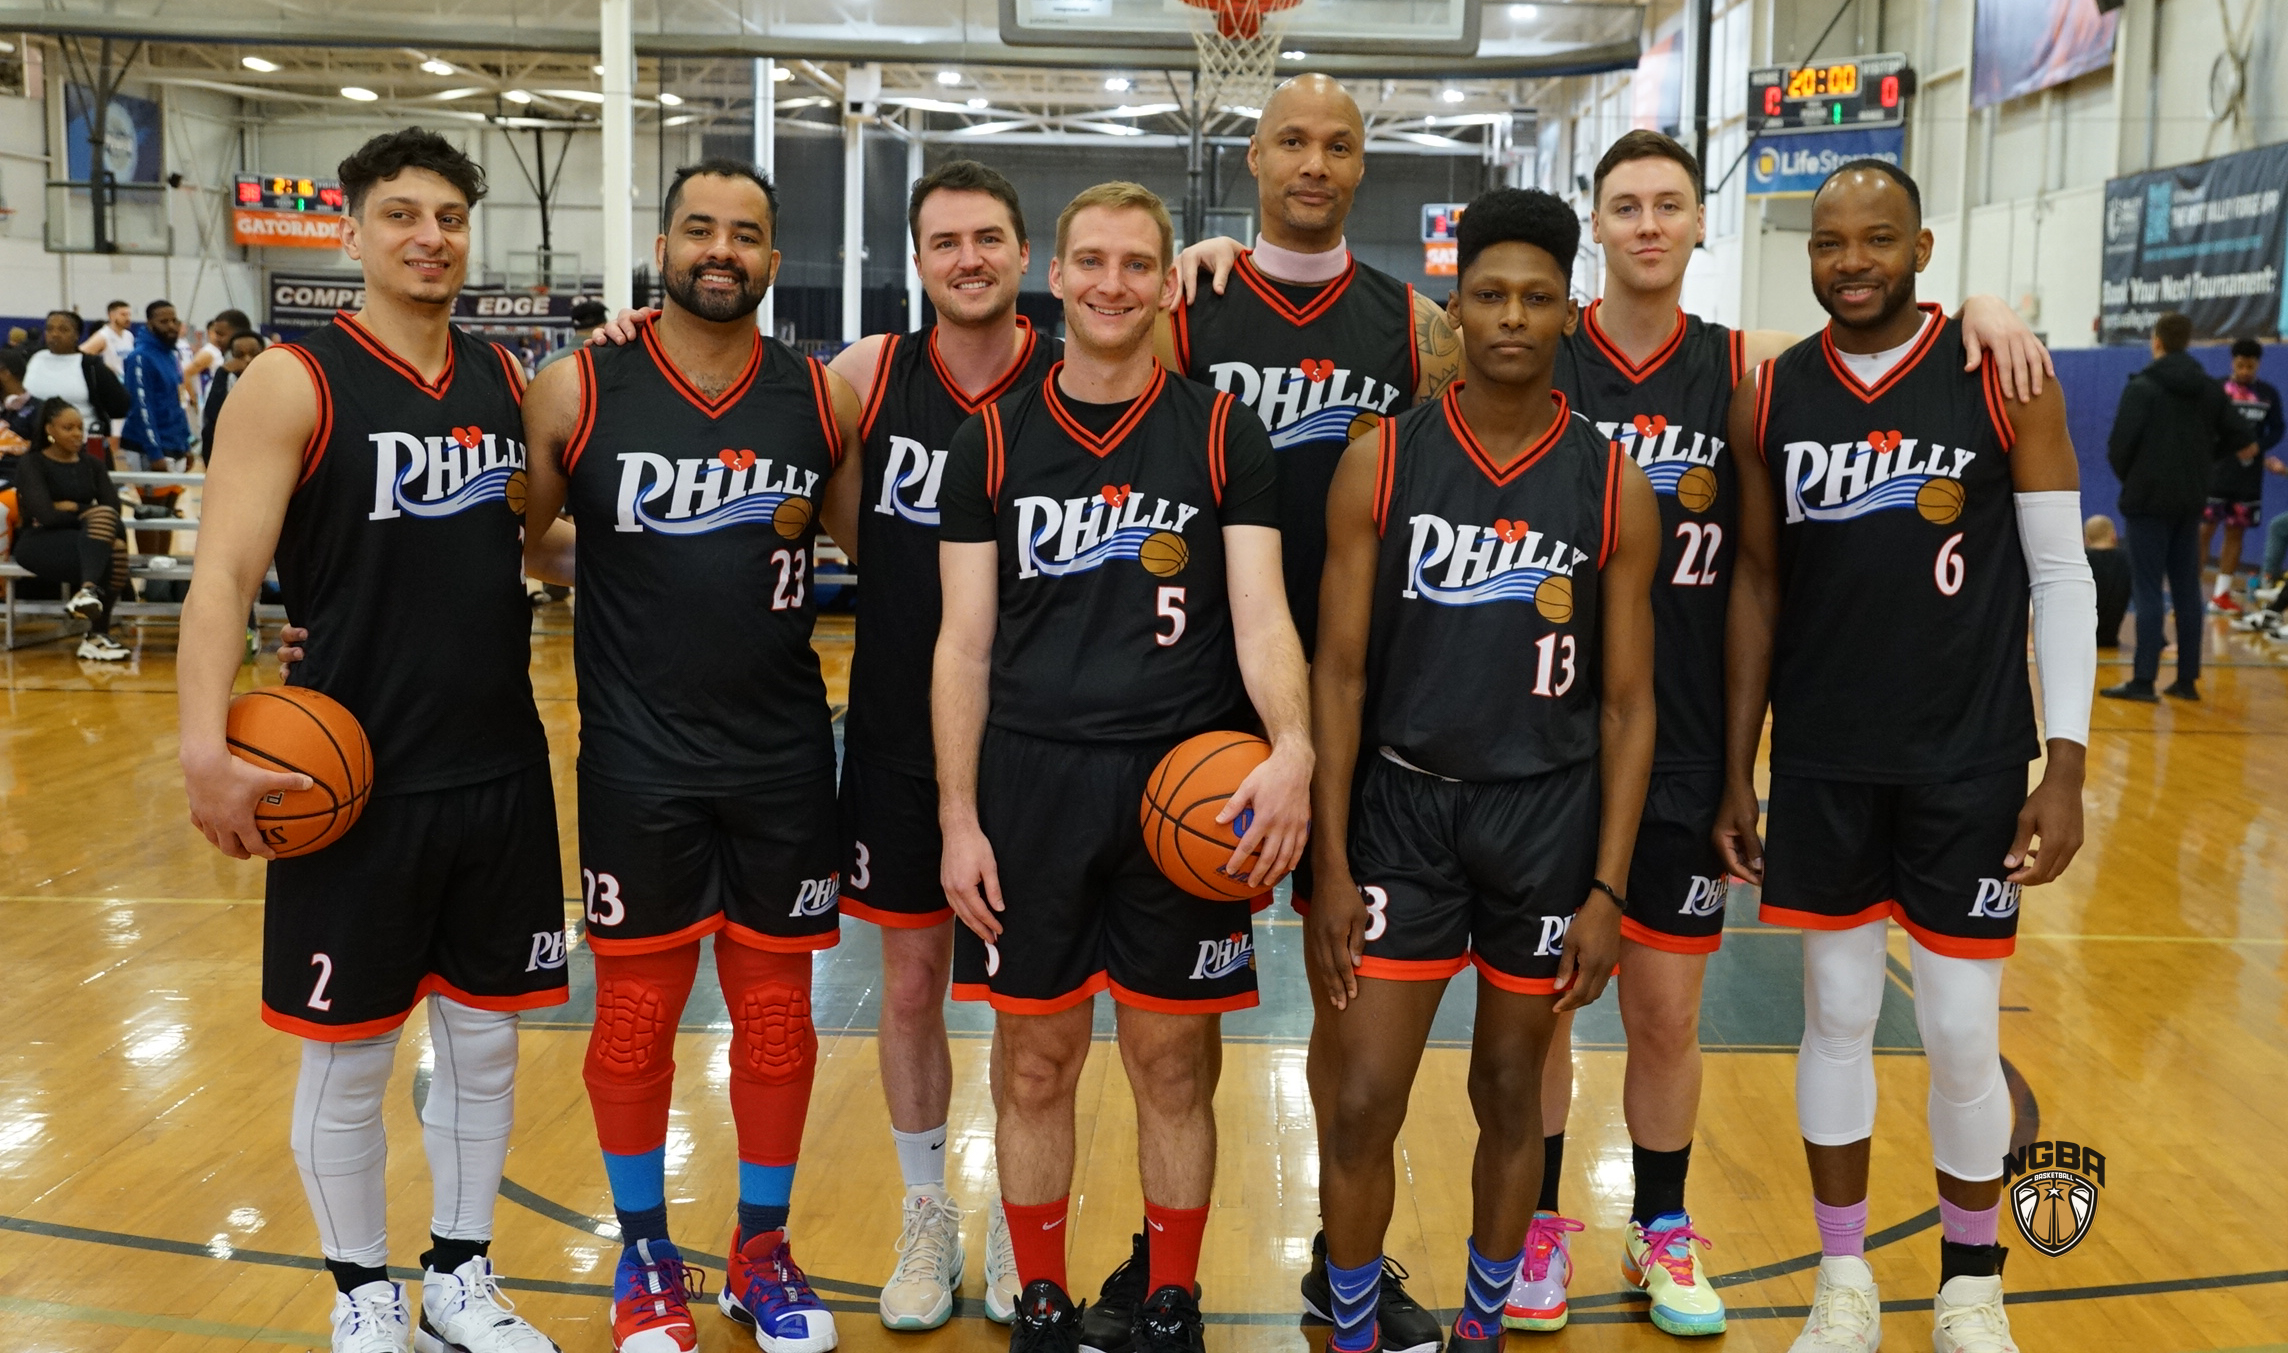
1238, 45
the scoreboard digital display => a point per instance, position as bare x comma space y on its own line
1866, 91
270, 192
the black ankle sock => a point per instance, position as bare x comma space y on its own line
1957, 1260
1552, 1168
447, 1255
1660, 1182
757, 1218
649, 1224
350, 1277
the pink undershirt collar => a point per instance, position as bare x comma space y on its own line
1286, 265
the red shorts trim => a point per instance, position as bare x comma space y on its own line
1523, 986
432, 985
1412, 969
1023, 1005
1259, 902
1952, 946
653, 944
333, 1033
1813, 920
780, 944
1212, 1006
1302, 905
895, 920
1632, 929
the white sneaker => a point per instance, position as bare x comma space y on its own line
371, 1319
464, 1312
85, 604
1001, 1285
919, 1294
1971, 1318
102, 648
1846, 1314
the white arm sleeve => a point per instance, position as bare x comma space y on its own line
2065, 609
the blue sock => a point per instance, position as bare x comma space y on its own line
763, 1194
639, 1194
1487, 1290
1354, 1291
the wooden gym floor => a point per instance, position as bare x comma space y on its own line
147, 1200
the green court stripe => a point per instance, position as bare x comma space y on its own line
99, 1315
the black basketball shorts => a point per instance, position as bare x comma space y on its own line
660, 870
1676, 881
453, 891
1839, 854
889, 866
1086, 910
1455, 873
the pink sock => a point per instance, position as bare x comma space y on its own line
1843, 1230
1965, 1227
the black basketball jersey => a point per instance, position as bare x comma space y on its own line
402, 553
1901, 651
912, 411
1671, 415
692, 633
1483, 657
1320, 365
1114, 622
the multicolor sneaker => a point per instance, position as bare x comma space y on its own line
1537, 1298
765, 1288
1846, 1311
1970, 1318
1660, 1259
651, 1300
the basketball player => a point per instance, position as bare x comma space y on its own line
698, 463
1110, 562
1483, 693
377, 460
1897, 517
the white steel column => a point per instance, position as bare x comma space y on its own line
766, 156
861, 85
619, 52
906, 241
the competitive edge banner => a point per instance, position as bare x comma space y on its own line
306, 300
2206, 240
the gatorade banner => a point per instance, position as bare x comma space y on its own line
2205, 240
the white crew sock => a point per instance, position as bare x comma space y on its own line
921, 1156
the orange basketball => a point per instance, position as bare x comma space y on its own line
291, 728
1181, 800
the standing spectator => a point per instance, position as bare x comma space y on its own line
19, 412
587, 316
71, 533
115, 339
156, 428
2112, 573
2236, 495
2173, 424
244, 347
198, 372
63, 371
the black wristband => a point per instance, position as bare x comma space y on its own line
1610, 891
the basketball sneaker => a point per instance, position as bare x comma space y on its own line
764, 1288
1047, 1321
1109, 1326
1661, 1259
371, 1319
1406, 1327
651, 1301
1470, 1336
102, 648
1169, 1322
464, 1312
1970, 1318
1537, 1298
1001, 1285
1846, 1311
86, 604
919, 1294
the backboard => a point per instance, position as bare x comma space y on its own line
1368, 27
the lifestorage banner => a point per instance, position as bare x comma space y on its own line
2205, 239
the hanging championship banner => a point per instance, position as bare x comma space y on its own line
2205, 240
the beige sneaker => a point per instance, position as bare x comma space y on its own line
1846, 1313
1001, 1286
919, 1294
1971, 1318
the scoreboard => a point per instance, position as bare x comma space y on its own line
1866, 91
268, 192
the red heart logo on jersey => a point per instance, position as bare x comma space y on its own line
1114, 495
1317, 368
469, 436
1884, 441
736, 460
1511, 532
1650, 427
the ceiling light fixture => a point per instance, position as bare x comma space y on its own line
448, 95
980, 103
1118, 84
680, 119
517, 96
359, 93
595, 70
258, 63
782, 72
1452, 95
670, 100
949, 77
436, 67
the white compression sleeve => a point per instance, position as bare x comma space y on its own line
1958, 1005
467, 1117
2065, 609
340, 1146
1835, 1067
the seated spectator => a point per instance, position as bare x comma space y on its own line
71, 529
2111, 569
19, 412
61, 371
244, 347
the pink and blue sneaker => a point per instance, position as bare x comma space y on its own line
764, 1288
1537, 1298
1664, 1260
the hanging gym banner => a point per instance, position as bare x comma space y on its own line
2205, 240
306, 300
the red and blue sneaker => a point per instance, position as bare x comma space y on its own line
765, 1288
651, 1300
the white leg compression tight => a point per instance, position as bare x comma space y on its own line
466, 1120
340, 1147
1835, 1067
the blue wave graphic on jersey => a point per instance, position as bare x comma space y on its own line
1519, 584
487, 486
1665, 473
1326, 424
920, 516
1122, 544
1895, 492
755, 507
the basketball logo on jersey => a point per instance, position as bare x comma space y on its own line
1685, 472
816, 897
1316, 401
1706, 896
1996, 898
1507, 561
1221, 958
1056, 537
1882, 471
442, 476
910, 483
731, 488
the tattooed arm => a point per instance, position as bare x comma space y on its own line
1437, 351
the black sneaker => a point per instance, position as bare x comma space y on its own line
1047, 1321
2132, 689
1318, 1293
1470, 1336
1169, 1322
1109, 1326
2183, 688
1406, 1326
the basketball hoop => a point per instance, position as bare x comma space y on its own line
1238, 44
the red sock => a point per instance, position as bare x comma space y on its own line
1173, 1241
1037, 1236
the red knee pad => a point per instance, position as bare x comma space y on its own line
774, 1048
630, 1067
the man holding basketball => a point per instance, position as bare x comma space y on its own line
377, 460
1111, 573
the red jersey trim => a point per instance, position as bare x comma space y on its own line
1385, 479
1869, 394
1413, 347
585, 361
713, 408
1219, 426
1532, 455
381, 353
880, 385
1100, 447
894, 920
1412, 969
995, 452
1180, 334
1619, 359
321, 432
1612, 515
1997, 403
429, 986
824, 394
513, 369
1210, 1005
1764, 403
779, 944
1001, 383
1030, 1005
1739, 345
655, 944
1523, 986
1321, 302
